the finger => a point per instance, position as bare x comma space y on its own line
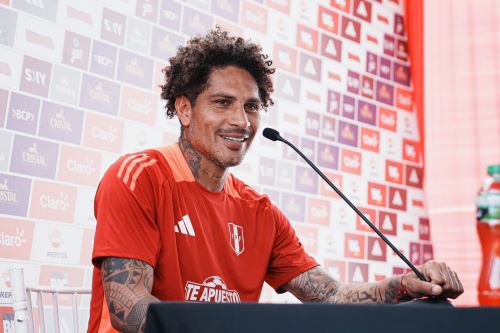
450, 286
458, 288
434, 273
418, 288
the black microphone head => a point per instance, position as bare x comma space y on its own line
271, 134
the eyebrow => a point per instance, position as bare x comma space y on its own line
251, 100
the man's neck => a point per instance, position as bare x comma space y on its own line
204, 171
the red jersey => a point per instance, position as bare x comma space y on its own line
204, 246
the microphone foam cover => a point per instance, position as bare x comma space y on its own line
271, 134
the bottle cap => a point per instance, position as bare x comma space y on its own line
494, 168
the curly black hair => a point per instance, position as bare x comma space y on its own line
190, 68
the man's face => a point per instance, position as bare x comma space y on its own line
224, 118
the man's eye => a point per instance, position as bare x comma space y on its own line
252, 107
221, 102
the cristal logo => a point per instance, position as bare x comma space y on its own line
97, 93
213, 289
61, 203
108, 134
33, 156
143, 106
6, 194
16, 240
60, 122
86, 168
133, 68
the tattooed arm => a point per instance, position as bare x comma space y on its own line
127, 286
315, 285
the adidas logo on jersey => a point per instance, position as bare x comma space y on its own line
185, 226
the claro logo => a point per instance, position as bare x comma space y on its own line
12, 240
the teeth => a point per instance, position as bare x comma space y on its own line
234, 139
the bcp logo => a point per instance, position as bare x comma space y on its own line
371, 215
354, 246
394, 172
307, 38
328, 20
377, 194
285, 57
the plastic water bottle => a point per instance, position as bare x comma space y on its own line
488, 228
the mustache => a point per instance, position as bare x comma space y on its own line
243, 131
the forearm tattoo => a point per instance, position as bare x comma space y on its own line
315, 285
127, 286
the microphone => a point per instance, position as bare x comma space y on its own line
274, 135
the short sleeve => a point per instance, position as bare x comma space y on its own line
125, 209
288, 257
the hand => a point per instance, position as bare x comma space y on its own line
443, 281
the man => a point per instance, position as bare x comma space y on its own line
173, 224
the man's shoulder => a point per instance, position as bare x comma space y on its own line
238, 188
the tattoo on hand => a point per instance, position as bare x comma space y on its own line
127, 285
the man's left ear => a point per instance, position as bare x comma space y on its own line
183, 109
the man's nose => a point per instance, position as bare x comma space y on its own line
239, 117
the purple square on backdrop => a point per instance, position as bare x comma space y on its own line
348, 107
306, 180
61, 123
308, 148
14, 195
267, 171
371, 63
103, 59
226, 9
294, 206
312, 123
196, 22
147, 9
333, 105
135, 69
113, 26
348, 133
367, 112
34, 157
385, 93
328, 128
389, 45
76, 50
99, 94
402, 74
170, 14
328, 156
385, 68
4, 95
36, 76
23, 113
165, 43
310, 67
353, 82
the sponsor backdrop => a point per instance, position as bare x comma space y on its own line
79, 87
